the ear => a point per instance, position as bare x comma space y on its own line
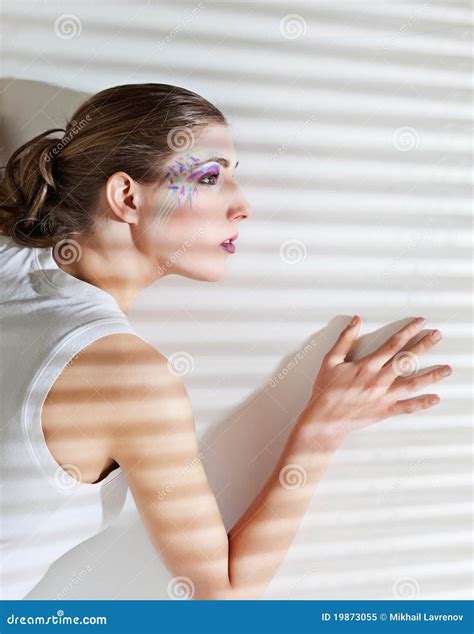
120, 192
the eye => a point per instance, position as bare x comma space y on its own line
210, 178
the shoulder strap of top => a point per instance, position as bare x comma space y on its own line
36, 394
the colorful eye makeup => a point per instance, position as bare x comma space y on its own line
185, 174
206, 171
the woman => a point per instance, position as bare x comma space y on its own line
142, 186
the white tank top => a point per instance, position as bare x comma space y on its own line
46, 317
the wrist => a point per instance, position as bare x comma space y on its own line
319, 433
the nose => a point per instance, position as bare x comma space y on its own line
240, 208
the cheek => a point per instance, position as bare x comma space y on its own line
171, 217
196, 229
185, 232
201, 216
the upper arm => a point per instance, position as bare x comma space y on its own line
151, 434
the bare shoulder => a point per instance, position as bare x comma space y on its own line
107, 394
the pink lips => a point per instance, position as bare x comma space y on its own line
228, 244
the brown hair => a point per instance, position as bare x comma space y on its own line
49, 187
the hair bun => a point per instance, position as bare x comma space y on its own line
24, 191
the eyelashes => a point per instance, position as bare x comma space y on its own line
211, 172
214, 175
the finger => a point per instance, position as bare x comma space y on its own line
425, 343
418, 382
375, 360
415, 404
341, 347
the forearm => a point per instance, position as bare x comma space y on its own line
260, 539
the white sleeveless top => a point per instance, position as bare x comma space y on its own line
46, 317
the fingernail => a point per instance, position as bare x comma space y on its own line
436, 335
446, 371
353, 321
434, 399
420, 321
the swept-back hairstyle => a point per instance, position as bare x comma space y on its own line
50, 186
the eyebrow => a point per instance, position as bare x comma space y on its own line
217, 159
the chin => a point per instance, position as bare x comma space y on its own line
211, 276
206, 273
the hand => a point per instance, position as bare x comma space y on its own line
350, 395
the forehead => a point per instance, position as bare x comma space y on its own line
213, 140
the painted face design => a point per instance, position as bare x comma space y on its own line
184, 174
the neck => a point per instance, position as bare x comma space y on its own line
123, 272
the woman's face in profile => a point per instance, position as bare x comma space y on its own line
197, 208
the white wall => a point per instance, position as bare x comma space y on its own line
354, 142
